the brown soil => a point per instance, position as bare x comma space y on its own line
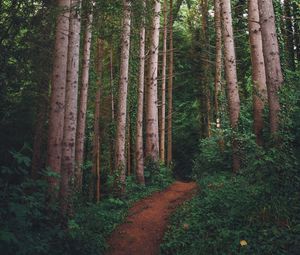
143, 230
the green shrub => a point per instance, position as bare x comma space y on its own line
30, 225
229, 210
256, 211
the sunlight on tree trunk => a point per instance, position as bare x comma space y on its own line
152, 136
139, 150
231, 78
57, 100
162, 151
170, 87
80, 136
70, 122
120, 161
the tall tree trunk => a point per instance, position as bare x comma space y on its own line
289, 40
170, 87
163, 89
258, 70
111, 80
231, 77
274, 76
98, 170
139, 150
57, 100
152, 136
120, 164
218, 66
205, 64
95, 176
80, 136
128, 145
112, 102
70, 122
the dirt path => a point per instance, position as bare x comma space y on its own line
143, 230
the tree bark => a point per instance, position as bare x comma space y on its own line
70, 122
218, 65
111, 80
170, 86
80, 136
57, 100
231, 77
112, 103
274, 76
120, 164
95, 176
128, 145
206, 75
152, 136
162, 151
258, 70
139, 150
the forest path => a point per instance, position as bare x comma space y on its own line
144, 227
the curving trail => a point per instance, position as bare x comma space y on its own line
143, 230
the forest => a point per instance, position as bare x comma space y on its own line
132, 127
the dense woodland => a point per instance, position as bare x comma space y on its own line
104, 102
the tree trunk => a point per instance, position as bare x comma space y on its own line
218, 66
112, 102
205, 74
289, 40
128, 145
170, 86
231, 77
70, 122
95, 176
140, 113
258, 70
152, 136
80, 136
57, 100
163, 89
274, 76
120, 164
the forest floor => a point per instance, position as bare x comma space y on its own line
144, 227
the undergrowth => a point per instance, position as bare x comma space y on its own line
30, 225
256, 211
234, 215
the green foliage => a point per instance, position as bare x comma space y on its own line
254, 212
214, 155
231, 209
30, 225
93, 223
156, 174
